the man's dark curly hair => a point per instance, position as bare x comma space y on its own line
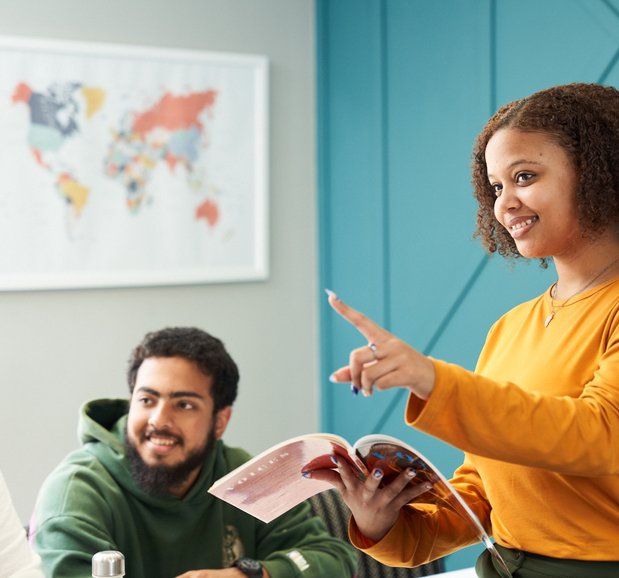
195, 345
584, 120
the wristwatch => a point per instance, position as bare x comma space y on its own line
249, 567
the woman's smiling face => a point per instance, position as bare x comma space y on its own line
535, 182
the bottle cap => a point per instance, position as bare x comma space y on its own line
108, 564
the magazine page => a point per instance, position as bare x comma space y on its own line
272, 482
393, 456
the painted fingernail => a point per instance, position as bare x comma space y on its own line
354, 389
332, 378
366, 392
307, 474
334, 460
331, 294
411, 473
377, 473
428, 486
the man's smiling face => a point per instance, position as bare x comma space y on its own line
171, 423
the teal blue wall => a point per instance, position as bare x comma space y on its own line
404, 87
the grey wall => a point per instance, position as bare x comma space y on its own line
61, 348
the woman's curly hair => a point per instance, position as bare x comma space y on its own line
584, 120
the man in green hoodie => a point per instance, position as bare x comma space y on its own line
139, 482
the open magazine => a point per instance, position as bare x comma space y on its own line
272, 483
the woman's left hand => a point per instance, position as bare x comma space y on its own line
385, 362
374, 507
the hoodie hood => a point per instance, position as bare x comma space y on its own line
104, 420
102, 430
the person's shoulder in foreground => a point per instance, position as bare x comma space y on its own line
139, 482
17, 560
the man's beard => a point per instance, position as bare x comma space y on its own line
159, 479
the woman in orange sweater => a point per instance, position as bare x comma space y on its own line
538, 419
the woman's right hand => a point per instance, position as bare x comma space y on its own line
375, 508
385, 362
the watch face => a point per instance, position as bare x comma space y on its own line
249, 567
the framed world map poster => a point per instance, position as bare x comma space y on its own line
125, 166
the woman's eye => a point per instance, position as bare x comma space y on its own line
496, 188
522, 178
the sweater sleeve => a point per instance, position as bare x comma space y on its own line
17, 560
504, 421
298, 544
64, 532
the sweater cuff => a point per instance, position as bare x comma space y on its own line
372, 547
278, 568
357, 539
419, 411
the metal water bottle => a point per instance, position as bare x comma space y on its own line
108, 564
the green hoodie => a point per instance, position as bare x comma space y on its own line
90, 503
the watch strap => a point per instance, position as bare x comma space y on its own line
248, 566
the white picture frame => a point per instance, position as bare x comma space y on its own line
131, 166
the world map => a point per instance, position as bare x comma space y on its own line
171, 132
129, 166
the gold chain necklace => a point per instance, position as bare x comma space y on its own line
553, 292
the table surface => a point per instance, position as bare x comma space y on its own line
465, 573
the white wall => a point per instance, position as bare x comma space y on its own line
61, 348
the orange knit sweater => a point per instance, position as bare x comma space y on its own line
538, 421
